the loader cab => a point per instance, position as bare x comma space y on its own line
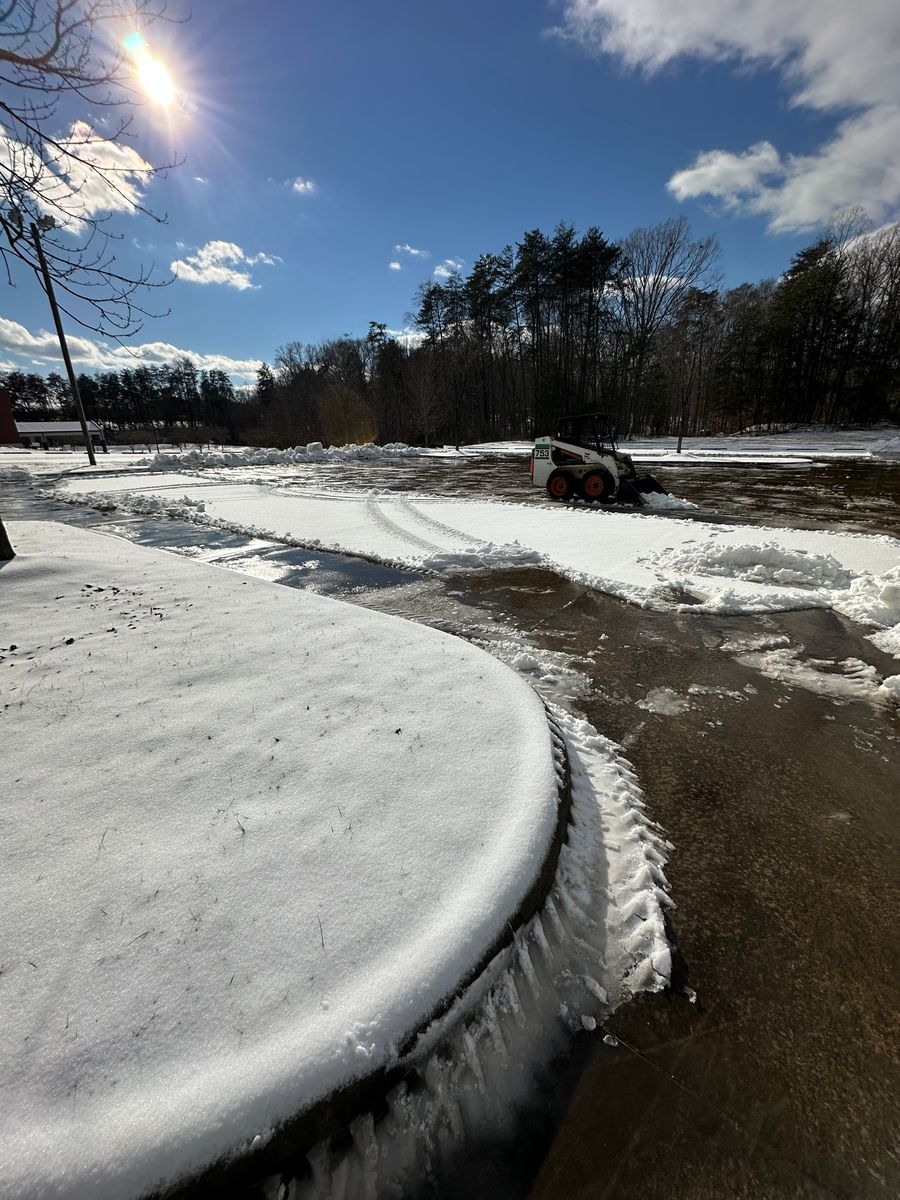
591, 431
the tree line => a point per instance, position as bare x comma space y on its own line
171, 402
558, 323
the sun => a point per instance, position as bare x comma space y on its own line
155, 79
153, 75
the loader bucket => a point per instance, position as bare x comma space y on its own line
648, 483
632, 491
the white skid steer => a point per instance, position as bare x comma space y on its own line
580, 461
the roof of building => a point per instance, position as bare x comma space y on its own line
51, 427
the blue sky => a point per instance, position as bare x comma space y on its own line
453, 129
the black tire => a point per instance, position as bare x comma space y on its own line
598, 485
560, 486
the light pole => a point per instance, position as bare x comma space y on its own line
47, 223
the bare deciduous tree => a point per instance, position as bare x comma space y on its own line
659, 267
65, 176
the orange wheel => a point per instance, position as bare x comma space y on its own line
597, 485
560, 486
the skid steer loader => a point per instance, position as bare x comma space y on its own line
581, 461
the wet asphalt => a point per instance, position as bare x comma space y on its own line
781, 1077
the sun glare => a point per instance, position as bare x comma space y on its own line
155, 79
153, 75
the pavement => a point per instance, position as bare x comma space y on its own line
781, 1079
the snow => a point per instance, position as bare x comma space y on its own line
887, 640
665, 701
766, 562
792, 446
653, 561
266, 834
663, 501
847, 679
839, 680
569, 969
251, 456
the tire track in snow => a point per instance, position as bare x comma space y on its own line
432, 524
394, 529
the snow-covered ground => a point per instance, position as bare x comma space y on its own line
786, 448
648, 560
18, 463
252, 837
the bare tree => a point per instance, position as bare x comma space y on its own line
659, 267
69, 178
427, 407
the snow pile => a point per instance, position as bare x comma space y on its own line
267, 834
663, 501
890, 689
887, 640
886, 448
182, 508
664, 701
250, 456
13, 474
873, 599
764, 563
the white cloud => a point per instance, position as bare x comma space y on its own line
303, 187
200, 179
85, 176
857, 167
408, 338
728, 177
221, 262
42, 349
833, 56
394, 266
445, 269
405, 248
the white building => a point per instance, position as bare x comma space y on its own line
46, 434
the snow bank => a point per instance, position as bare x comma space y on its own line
886, 448
252, 837
766, 562
251, 456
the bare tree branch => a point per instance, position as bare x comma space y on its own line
73, 180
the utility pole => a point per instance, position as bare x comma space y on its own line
73, 382
6, 550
